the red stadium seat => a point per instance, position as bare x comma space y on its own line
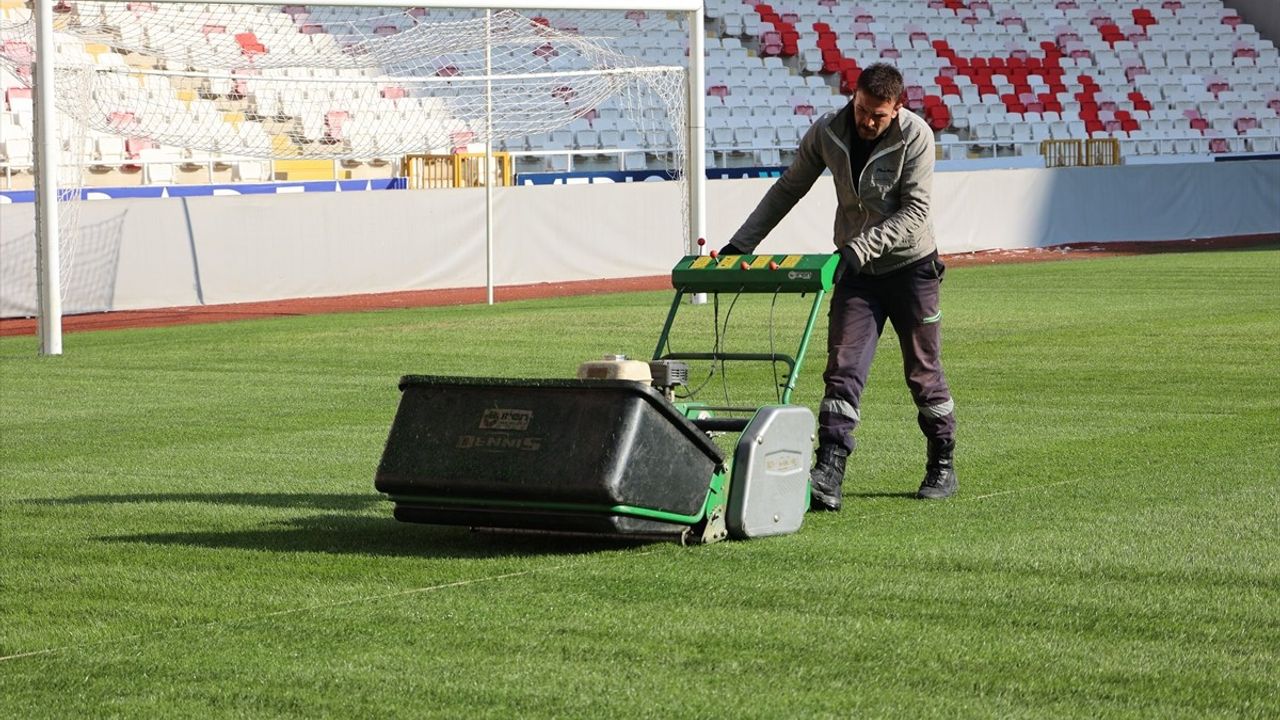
771, 44
249, 44
939, 116
831, 60
333, 122
133, 147
121, 121
849, 80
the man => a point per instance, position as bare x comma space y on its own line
881, 160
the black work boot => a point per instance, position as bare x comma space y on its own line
826, 477
939, 471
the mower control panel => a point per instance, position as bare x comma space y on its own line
754, 273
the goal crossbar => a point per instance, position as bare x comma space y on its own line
667, 5
418, 79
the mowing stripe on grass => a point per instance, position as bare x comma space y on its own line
986, 496
433, 588
293, 611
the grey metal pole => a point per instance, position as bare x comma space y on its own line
48, 281
488, 156
695, 169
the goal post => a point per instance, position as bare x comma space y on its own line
472, 82
46, 156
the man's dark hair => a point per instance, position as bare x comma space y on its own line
881, 81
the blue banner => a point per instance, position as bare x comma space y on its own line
272, 188
627, 176
399, 183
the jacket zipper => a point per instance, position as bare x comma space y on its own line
857, 182
848, 160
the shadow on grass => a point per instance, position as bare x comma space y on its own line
309, 501
379, 537
348, 528
910, 494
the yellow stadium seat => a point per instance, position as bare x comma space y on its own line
282, 146
96, 49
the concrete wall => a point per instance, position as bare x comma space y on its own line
1262, 14
212, 250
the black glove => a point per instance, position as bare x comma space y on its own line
731, 249
850, 259
849, 262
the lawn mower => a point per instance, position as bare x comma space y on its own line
613, 451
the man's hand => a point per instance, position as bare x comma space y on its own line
850, 259
731, 249
849, 262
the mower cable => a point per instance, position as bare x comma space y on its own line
724, 376
715, 324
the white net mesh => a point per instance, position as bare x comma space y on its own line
213, 83
90, 253
18, 258
335, 82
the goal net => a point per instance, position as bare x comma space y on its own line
225, 82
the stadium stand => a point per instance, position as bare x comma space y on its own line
1165, 78
1013, 74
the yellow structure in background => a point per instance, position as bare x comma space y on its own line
303, 170
1102, 151
1077, 153
1061, 153
455, 170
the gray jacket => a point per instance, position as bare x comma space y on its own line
883, 215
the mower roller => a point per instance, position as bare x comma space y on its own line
611, 452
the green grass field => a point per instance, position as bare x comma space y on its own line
188, 526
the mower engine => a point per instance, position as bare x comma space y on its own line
664, 375
669, 375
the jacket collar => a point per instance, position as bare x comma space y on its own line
842, 123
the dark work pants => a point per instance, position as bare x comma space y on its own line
860, 304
